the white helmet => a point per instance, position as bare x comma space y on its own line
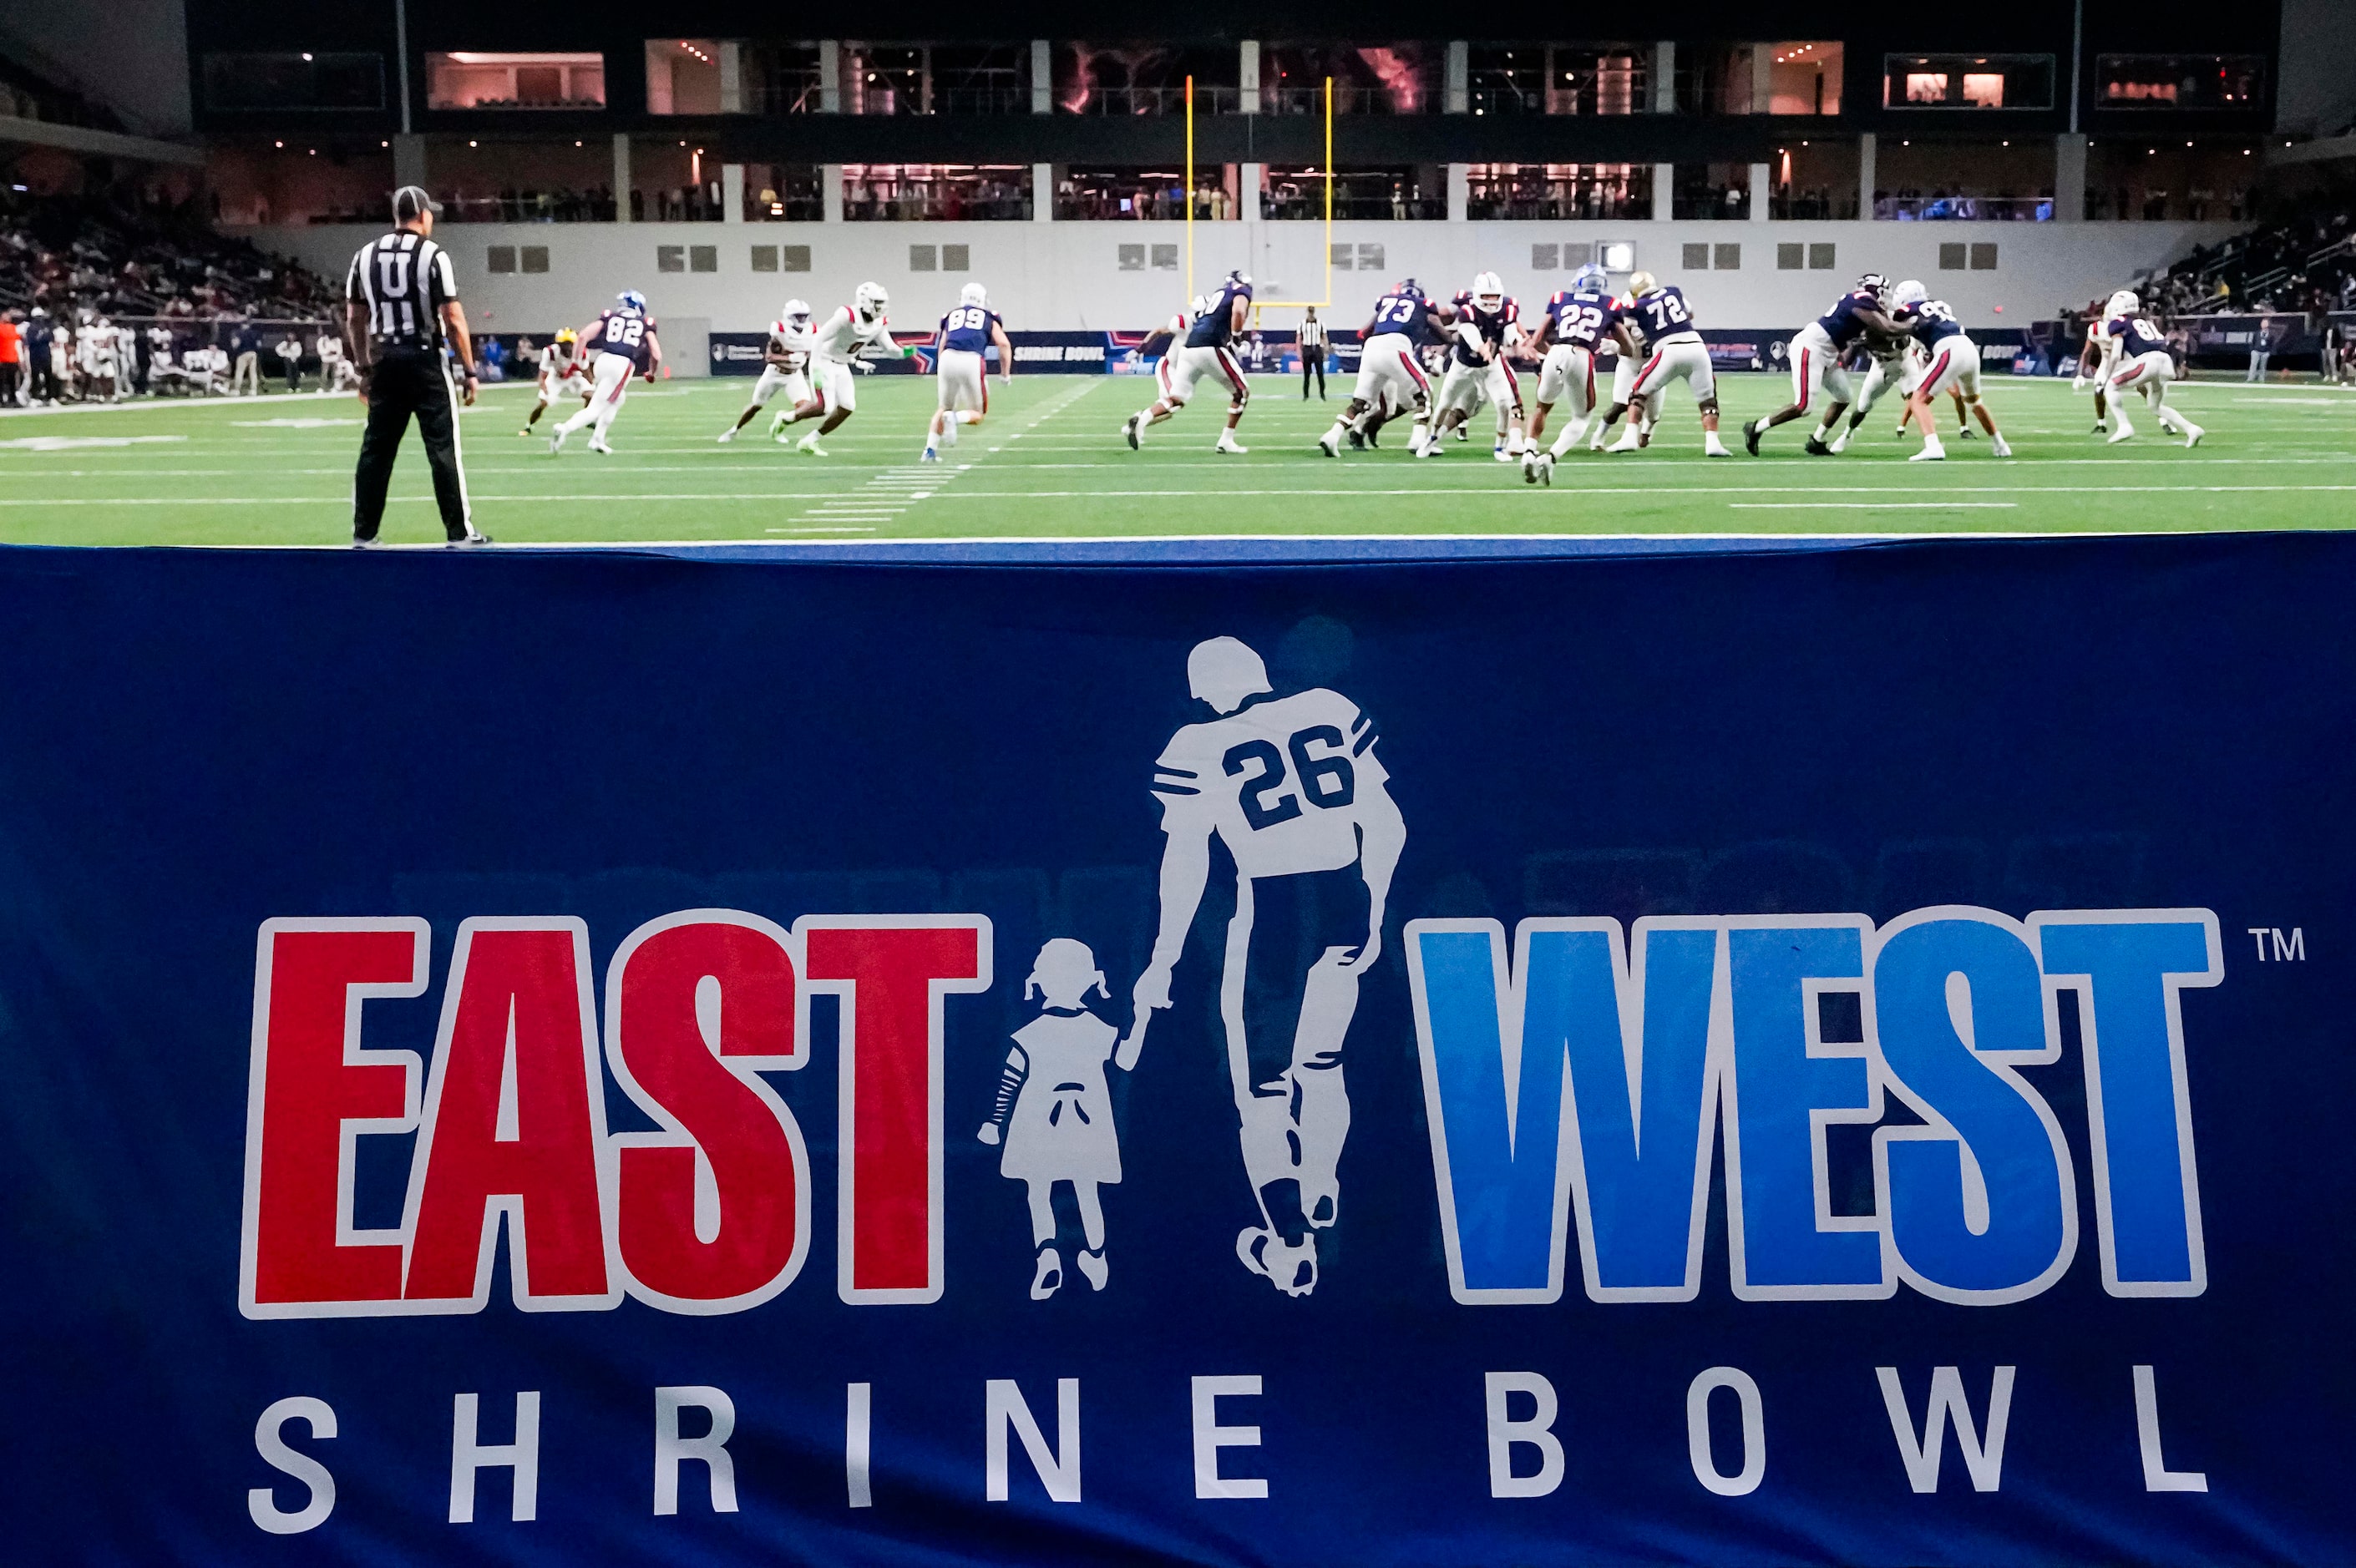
1488, 290
1200, 306
1223, 671
870, 301
2123, 302
1641, 283
973, 293
796, 312
1910, 292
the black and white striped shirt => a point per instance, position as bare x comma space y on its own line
402, 281
1312, 333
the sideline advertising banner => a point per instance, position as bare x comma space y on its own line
1777, 1054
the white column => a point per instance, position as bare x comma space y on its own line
1664, 186
732, 193
1864, 148
1762, 79
732, 77
1253, 176
1043, 193
1665, 76
1460, 192
829, 77
1459, 99
1248, 75
1042, 77
621, 176
830, 192
2070, 178
1760, 193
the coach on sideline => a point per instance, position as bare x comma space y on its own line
400, 298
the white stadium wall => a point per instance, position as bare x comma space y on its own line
1060, 276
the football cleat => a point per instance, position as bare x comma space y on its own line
556, 440
1129, 431
2192, 434
809, 443
1291, 1269
1751, 437
1816, 448
1228, 444
597, 445
1328, 445
728, 436
1048, 1277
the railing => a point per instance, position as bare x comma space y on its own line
1311, 206
1558, 206
937, 207
1160, 101
526, 207
1813, 205
1347, 100
1964, 209
784, 210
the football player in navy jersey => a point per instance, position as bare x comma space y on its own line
625, 347
1954, 364
961, 352
1817, 350
1678, 353
1204, 352
1567, 337
1391, 377
2135, 359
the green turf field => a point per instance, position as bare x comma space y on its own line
1049, 462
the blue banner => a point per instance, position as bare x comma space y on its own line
1703, 1055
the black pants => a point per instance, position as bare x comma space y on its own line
9, 382
406, 384
1313, 363
44, 385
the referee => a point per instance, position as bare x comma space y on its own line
1313, 355
400, 298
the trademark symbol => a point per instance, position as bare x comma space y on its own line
2286, 949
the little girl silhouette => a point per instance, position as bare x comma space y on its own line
1053, 1110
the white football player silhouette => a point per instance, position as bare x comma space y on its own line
1292, 785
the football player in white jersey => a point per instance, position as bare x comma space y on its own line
1291, 786
961, 347
785, 365
98, 350
2135, 359
560, 375
840, 344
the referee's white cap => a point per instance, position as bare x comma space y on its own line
411, 199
